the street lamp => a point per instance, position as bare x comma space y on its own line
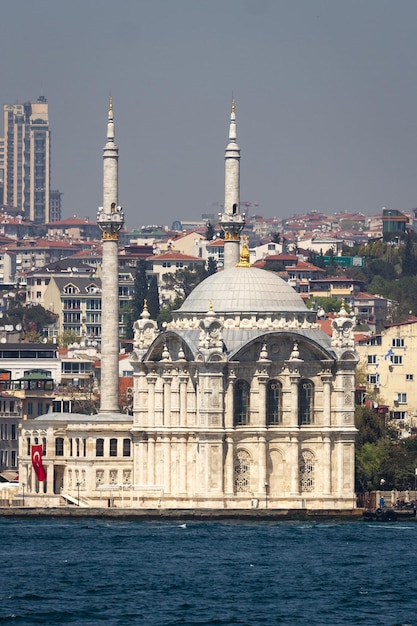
78, 489
23, 494
266, 494
381, 499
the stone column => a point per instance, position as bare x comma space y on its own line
326, 451
262, 381
326, 380
326, 465
229, 469
228, 410
167, 400
151, 461
182, 487
183, 379
262, 469
166, 479
293, 464
294, 380
150, 422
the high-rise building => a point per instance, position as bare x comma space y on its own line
25, 154
55, 205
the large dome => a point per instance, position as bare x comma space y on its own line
243, 290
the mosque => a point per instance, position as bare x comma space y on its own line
242, 402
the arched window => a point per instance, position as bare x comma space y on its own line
100, 447
306, 471
59, 446
305, 402
242, 471
126, 447
241, 403
113, 447
274, 402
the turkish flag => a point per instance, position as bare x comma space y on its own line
37, 463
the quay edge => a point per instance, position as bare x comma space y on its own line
183, 514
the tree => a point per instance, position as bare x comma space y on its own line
153, 298
408, 258
68, 337
209, 232
211, 266
141, 289
128, 318
274, 266
370, 461
33, 319
183, 281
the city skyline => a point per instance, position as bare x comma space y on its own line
325, 101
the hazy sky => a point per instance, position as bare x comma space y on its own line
325, 90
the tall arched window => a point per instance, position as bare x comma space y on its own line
59, 446
241, 403
126, 447
100, 447
113, 447
306, 471
274, 402
242, 471
305, 402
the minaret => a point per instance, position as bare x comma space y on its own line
110, 219
231, 221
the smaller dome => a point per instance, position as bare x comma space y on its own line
244, 290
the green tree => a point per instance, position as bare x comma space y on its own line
409, 264
128, 319
211, 266
274, 266
68, 337
371, 460
209, 232
141, 288
183, 281
153, 298
32, 318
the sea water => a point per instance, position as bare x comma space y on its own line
89, 572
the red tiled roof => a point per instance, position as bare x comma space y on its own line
174, 256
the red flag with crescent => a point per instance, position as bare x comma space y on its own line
37, 463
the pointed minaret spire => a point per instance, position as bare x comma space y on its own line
110, 123
232, 221
232, 127
110, 164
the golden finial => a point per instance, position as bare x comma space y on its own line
111, 104
211, 305
145, 305
233, 104
244, 254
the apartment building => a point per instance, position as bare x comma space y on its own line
25, 152
388, 359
